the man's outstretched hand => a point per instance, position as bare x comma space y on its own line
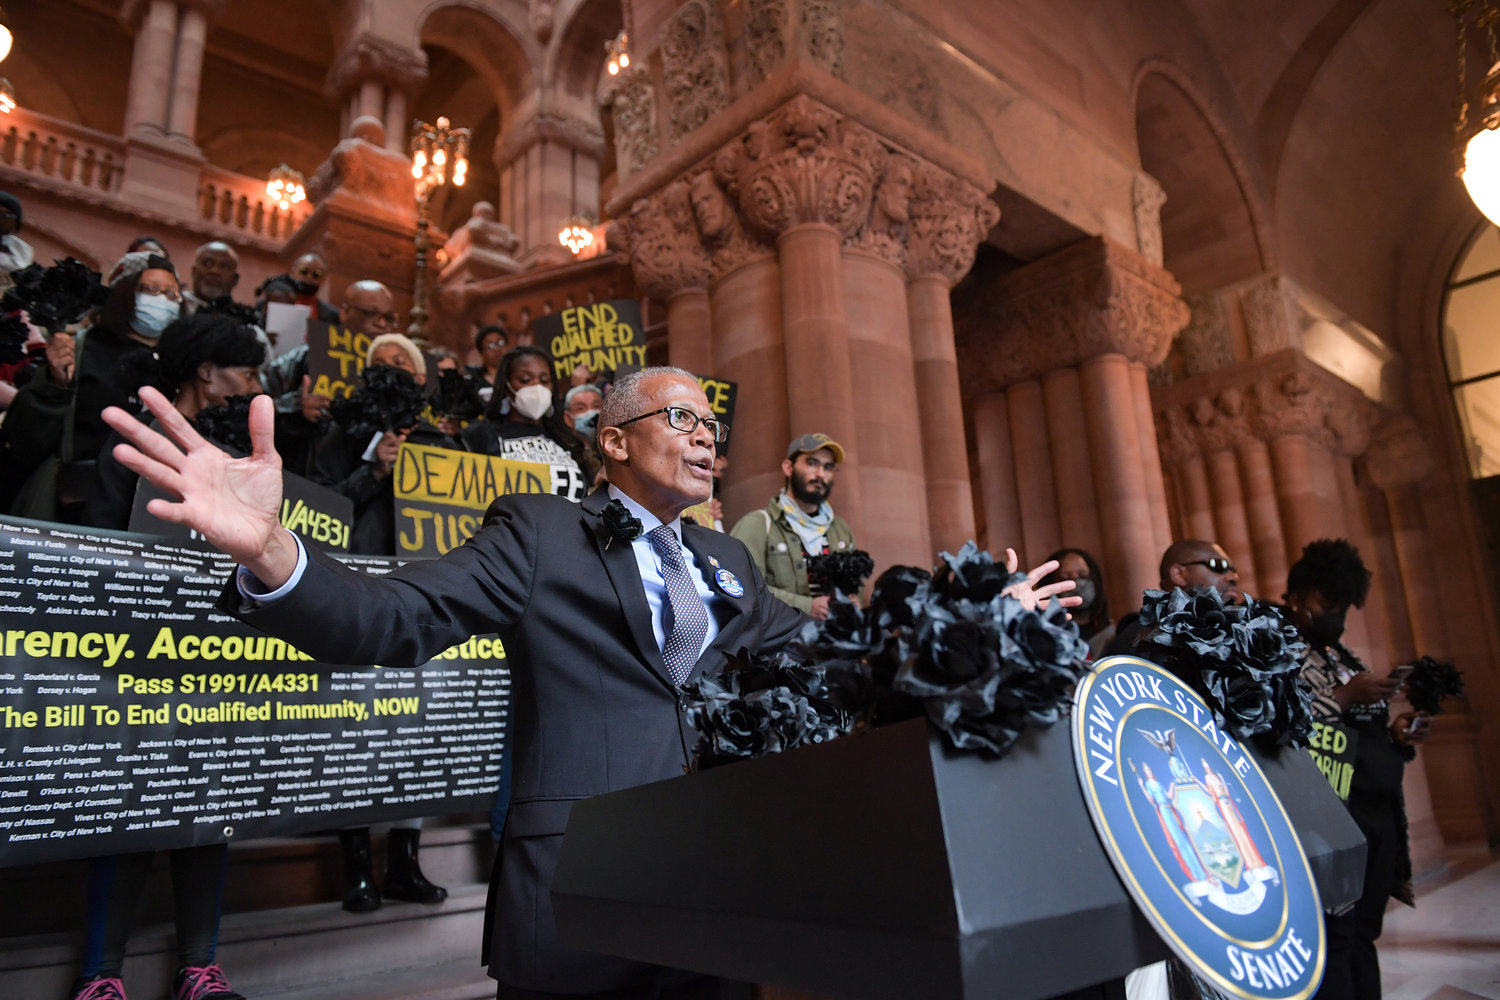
232, 502
1029, 594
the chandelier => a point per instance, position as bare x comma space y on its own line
577, 233
285, 187
7, 96
1476, 145
618, 47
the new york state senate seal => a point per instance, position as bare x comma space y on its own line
1196, 833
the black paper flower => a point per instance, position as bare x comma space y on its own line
457, 395
1430, 682
388, 399
620, 523
983, 665
757, 705
57, 296
229, 424
226, 306
1244, 661
839, 572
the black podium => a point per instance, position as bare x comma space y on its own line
885, 865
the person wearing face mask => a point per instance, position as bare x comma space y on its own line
307, 274
523, 424
1092, 616
58, 415
581, 409
1321, 587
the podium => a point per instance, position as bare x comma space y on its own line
885, 865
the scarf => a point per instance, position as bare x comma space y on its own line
809, 527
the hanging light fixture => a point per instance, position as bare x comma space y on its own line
7, 96
1477, 149
577, 233
618, 47
439, 156
285, 187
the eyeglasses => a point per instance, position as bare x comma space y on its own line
1215, 565
170, 294
685, 420
389, 318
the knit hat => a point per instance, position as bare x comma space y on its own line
134, 263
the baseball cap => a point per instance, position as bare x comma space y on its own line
814, 442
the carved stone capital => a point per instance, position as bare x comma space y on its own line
1269, 308
1146, 200
1093, 298
1398, 455
802, 164
1275, 396
949, 219
370, 57
666, 249
545, 126
695, 66
631, 100
1205, 341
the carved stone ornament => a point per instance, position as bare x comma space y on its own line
482, 232
802, 164
1093, 298
1398, 454
666, 250
823, 34
1268, 307
1283, 394
370, 57
768, 29
632, 106
572, 133
695, 66
1205, 342
361, 167
885, 233
1146, 200
541, 18
949, 219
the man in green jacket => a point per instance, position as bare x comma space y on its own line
798, 523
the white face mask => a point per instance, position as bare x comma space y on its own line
532, 401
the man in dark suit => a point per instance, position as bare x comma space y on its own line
591, 619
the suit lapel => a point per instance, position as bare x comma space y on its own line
625, 576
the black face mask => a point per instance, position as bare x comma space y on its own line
304, 287
1326, 629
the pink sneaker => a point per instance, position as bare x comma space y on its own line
202, 982
100, 989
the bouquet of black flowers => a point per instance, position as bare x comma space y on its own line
229, 424
984, 666
457, 395
389, 399
1430, 682
49, 297
839, 572
757, 705
1243, 660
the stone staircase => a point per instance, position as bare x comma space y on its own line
280, 937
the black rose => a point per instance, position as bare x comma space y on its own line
891, 602
619, 522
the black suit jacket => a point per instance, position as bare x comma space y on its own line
593, 708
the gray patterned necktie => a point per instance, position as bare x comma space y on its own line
686, 620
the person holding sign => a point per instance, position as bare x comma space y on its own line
1322, 586
523, 424
799, 523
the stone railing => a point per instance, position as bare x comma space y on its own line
240, 202
61, 152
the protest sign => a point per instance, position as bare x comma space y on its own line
135, 716
721, 398
1332, 749
319, 516
442, 494
602, 335
335, 357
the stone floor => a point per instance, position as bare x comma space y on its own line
1448, 948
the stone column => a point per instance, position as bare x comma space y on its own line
151, 67
1086, 316
671, 265
375, 77
549, 171
948, 219
1262, 517
997, 475
192, 33
749, 350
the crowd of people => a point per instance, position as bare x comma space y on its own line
203, 350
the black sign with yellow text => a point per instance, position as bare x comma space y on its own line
442, 494
136, 716
605, 336
335, 357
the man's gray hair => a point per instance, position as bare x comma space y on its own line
626, 399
